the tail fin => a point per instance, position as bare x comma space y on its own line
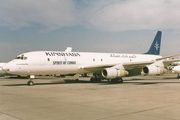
155, 47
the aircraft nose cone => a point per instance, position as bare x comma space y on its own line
6, 68
176, 69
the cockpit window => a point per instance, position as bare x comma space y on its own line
18, 58
24, 58
21, 58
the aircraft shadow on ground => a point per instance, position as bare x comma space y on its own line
102, 83
132, 81
171, 78
16, 78
54, 82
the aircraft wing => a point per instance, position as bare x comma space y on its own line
168, 57
96, 68
167, 62
132, 65
126, 66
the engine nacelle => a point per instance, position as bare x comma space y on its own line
111, 73
153, 70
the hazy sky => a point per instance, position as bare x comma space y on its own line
127, 26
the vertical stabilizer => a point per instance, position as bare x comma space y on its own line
155, 47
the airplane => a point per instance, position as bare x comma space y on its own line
175, 68
104, 66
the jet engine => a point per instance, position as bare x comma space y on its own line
111, 73
153, 70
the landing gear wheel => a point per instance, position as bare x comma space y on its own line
76, 80
121, 80
30, 83
92, 80
95, 80
114, 80
98, 80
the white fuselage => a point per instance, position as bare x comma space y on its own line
60, 62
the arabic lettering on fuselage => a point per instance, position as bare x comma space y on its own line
62, 54
122, 56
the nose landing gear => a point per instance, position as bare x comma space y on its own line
30, 82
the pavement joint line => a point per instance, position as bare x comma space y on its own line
10, 115
163, 117
138, 112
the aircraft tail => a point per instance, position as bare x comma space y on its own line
155, 47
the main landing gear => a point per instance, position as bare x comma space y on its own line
96, 79
178, 76
30, 82
117, 80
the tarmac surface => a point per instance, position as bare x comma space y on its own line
51, 98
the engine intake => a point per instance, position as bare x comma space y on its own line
111, 73
153, 70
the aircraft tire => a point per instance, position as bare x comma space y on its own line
30, 83
117, 80
98, 80
76, 80
121, 80
95, 80
114, 80
92, 80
